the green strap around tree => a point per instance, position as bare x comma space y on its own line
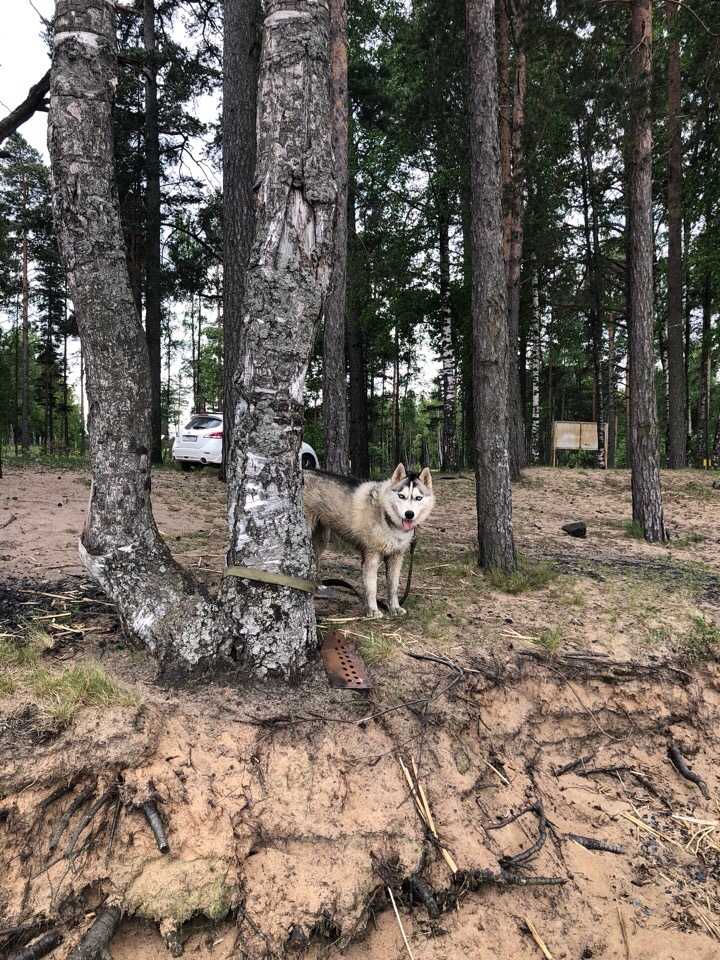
264, 576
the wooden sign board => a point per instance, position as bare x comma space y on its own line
575, 435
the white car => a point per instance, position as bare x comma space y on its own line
199, 442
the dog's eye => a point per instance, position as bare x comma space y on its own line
418, 498
401, 496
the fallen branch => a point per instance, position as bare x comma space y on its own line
94, 945
686, 771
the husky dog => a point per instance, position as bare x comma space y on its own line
377, 518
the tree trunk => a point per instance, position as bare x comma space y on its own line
611, 415
335, 418
359, 414
153, 285
702, 456
25, 436
241, 60
489, 297
646, 498
592, 245
536, 365
677, 427
395, 418
447, 353
269, 627
517, 228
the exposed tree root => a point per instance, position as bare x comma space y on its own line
77, 802
40, 948
94, 945
682, 767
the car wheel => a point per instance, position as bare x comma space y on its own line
186, 466
308, 461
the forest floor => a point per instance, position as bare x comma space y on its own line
288, 815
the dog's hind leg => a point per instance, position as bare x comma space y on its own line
393, 566
370, 563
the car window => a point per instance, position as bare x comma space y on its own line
203, 423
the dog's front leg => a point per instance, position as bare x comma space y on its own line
369, 574
393, 566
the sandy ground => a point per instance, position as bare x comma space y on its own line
288, 815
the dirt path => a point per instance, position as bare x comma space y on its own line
287, 812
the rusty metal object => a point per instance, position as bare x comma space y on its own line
343, 664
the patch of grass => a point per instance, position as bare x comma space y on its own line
550, 640
683, 542
633, 528
83, 685
530, 575
375, 648
703, 640
72, 459
58, 693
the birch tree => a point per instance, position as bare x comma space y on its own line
267, 626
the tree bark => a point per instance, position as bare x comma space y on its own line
268, 627
25, 435
241, 61
286, 285
536, 365
447, 352
516, 238
677, 427
153, 285
702, 453
594, 265
335, 417
359, 417
646, 498
489, 297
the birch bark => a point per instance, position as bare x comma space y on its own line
267, 627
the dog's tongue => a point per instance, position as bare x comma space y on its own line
408, 524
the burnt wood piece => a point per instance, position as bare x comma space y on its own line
576, 529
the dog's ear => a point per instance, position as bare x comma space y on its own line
426, 478
398, 475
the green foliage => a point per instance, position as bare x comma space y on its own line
530, 575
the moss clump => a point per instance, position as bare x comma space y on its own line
178, 890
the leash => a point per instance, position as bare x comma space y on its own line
335, 582
264, 576
307, 586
